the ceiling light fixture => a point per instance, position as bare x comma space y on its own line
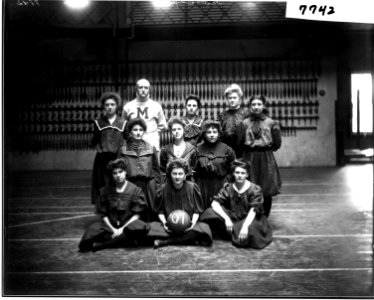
77, 4
162, 3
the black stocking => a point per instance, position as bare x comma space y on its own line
267, 205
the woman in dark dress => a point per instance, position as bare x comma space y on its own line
214, 162
179, 194
178, 148
237, 212
260, 136
194, 122
232, 117
142, 164
121, 206
108, 138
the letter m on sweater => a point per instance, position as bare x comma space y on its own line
143, 112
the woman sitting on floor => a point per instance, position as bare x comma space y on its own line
121, 205
179, 194
237, 211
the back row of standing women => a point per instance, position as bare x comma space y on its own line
209, 147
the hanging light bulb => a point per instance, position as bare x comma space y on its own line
77, 4
162, 3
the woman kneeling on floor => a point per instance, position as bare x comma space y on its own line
121, 205
237, 211
178, 194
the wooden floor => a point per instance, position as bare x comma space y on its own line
323, 227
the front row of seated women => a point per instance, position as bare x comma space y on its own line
236, 212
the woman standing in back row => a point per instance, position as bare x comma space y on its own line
260, 136
231, 118
194, 122
108, 138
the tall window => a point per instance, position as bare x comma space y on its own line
361, 87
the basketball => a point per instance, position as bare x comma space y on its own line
178, 221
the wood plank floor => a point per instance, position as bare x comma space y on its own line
323, 237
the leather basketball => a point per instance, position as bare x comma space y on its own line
178, 221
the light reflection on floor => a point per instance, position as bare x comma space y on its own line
359, 180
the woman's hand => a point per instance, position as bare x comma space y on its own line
166, 227
117, 232
192, 226
195, 217
243, 235
229, 225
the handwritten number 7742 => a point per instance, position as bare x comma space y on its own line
313, 9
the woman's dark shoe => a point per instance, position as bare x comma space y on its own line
160, 243
97, 246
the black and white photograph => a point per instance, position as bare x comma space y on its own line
188, 149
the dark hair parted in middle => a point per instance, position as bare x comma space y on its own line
110, 95
258, 97
261, 98
211, 124
177, 163
118, 163
137, 121
176, 120
241, 164
194, 97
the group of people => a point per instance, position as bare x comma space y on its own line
222, 173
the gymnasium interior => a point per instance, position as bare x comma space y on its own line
317, 79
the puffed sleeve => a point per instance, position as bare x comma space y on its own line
255, 199
223, 196
159, 201
121, 150
163, 159
197, 200
102, 208
276, 136
156, 168
139, 204
240, 133
96, 136
193, 161
125, 132
230, 157
220, 117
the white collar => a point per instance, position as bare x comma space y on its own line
181, 145
112, 120
122, 189
245, 187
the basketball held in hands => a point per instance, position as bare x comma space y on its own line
178, 221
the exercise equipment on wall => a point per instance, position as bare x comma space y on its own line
62, 118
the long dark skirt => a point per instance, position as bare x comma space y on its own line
210, 187
264, 171
101, 233
148, 187
260, 233
100, 176
201, 234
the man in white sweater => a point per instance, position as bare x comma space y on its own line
147, 109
